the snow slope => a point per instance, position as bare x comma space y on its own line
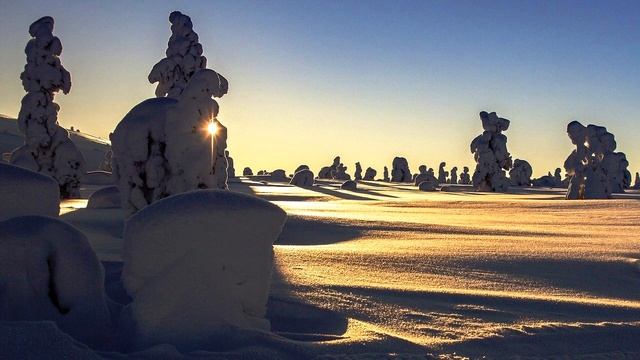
386, 270
92, 148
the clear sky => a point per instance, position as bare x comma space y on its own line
367, 80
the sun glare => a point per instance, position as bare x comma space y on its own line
212, 128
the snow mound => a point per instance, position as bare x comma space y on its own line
105, 198
25, 192
349, 185
302, 178
198, 264
48, 271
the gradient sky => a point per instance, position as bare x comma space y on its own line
367, 80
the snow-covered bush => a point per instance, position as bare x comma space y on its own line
48, 271
428, 185
595, 169
105, 198
370, 174
278, 175
340, 173
465, 178
386, 175
328, 171
48, 148
489, 150
400, 170
247, 171
198, 263
349, 185
25, 192
520, 173
302, 178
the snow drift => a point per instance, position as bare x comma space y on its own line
25, 192
198, 263
48, 271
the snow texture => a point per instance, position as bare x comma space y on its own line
400, 170
47, 148
25, 192
595, 169
489, 150
370, 174
302, 178
105, 198
184, 58
49, 272
162, 146
198, 263
520, 173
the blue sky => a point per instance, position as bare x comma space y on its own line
367, 80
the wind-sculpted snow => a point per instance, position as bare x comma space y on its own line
198, 263
596, 171
489, 150
48, 271
25, 192
47, 148
390, 269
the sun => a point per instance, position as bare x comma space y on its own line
212, 128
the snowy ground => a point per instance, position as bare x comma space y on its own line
390, 270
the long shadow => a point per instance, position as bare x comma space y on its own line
373, 193
289, 317
337, 194
302, 230
299, 230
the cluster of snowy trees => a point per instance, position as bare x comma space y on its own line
171, 167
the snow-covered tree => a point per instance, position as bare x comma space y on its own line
48, 148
